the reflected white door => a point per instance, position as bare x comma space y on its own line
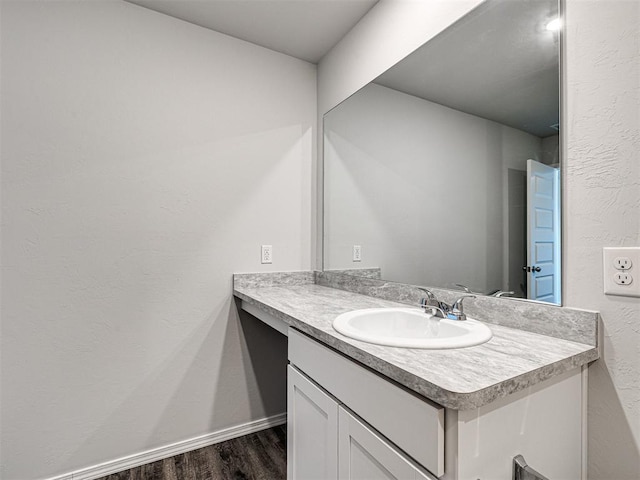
543, 232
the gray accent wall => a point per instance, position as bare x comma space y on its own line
139, 156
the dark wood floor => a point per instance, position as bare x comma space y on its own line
259, 456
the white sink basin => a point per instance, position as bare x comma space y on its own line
410, 328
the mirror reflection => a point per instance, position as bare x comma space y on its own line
445, 169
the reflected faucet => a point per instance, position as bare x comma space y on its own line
494, 293
440, 309
500, 293
466, 289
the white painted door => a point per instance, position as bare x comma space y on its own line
312, 430
365, 455
543, 232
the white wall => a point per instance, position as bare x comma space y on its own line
601, 203
144, 160
602, 208
551, 150
399, 173
385, 35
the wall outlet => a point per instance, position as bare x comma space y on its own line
357, 253
267, 254
622, 271
623, 278
622, 263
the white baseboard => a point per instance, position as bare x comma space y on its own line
132, 461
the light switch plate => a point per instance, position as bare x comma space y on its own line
621, 271
266, 254
357, 253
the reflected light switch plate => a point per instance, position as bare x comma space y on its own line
357, 253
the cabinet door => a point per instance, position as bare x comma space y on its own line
365, 455
312, 430
415, 426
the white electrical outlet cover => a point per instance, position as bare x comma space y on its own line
621, 270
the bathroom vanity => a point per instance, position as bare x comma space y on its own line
359, 410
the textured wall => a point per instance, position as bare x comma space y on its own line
602, 208
139, 155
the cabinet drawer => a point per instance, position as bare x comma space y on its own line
411, 422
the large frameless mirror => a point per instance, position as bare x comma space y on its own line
445, 169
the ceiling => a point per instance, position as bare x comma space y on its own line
305, 29
498, 62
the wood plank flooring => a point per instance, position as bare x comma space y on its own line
257, 456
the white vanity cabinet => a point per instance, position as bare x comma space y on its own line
347, 422
339, 409
330, 442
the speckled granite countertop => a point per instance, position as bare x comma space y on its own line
460, 379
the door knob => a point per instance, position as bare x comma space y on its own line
527, 268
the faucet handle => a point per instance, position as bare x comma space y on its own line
430, 296
457, 308
432, 303
463, 287
500, 293
467, 289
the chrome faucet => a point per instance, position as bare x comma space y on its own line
430, 302
440, 309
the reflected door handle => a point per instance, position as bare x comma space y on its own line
527, 268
